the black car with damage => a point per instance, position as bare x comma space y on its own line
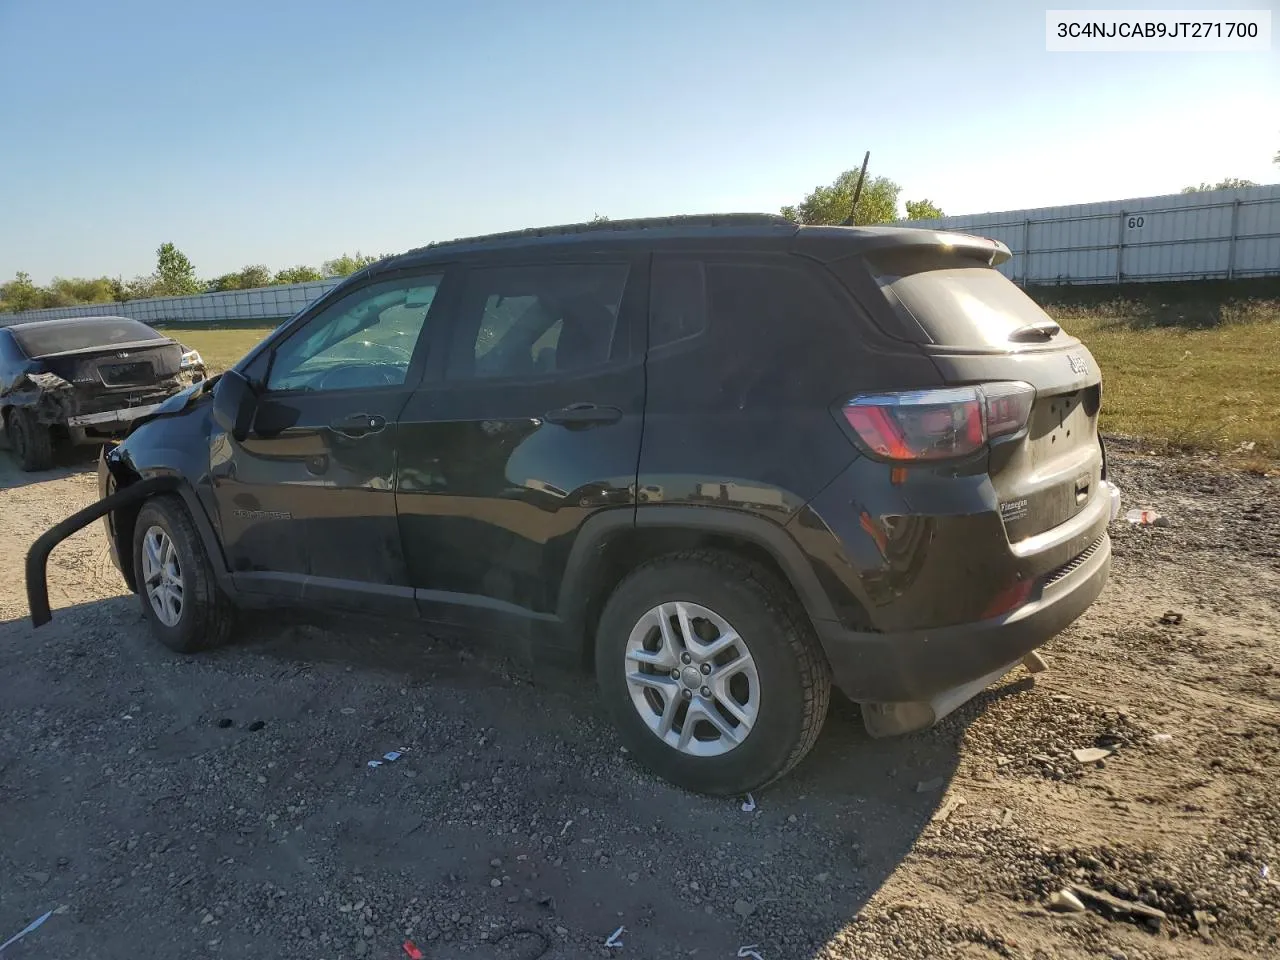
84, 379
727, 463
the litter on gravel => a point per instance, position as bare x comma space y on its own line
613, 940
749, 804
1146, 518
1064, 901
749, 951
412, 950
391, 756
1116, 905
948, 808
1091, 754
34, 924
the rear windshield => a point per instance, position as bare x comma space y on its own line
957, 302
40, 340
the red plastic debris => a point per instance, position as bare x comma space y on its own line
412, 950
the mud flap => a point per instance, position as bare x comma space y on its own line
38, 555
895, 719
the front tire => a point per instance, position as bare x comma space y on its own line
31, 440
179, 594
711, 672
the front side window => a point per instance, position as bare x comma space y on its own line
536, 320
364, 340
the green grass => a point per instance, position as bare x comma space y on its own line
1203, 389
1183, 373
221, 345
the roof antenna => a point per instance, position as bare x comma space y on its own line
857, 191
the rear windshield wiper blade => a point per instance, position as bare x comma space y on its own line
1040, 330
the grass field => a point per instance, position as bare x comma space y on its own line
1214, 390
1206, 382
221, 345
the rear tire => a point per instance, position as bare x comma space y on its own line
177, 588
31, 440
781, 696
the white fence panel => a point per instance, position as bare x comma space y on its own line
264, 303
1219, 234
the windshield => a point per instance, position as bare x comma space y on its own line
62, 336
955, 301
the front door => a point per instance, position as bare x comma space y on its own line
307, 502
532, 425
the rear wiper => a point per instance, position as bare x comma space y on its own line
1040, 330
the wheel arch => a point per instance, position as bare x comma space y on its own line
613, 543
122, 522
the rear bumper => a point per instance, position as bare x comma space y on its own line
920, 664
109, 419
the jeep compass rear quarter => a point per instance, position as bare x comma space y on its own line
728, 461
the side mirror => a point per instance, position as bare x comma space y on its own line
234, 404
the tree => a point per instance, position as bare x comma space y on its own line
175, 276
1228, 183
347, 264
19, 294
878, 202
298, 275
599, 218
923, 210
248, 278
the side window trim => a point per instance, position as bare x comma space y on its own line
425, 345
622, 345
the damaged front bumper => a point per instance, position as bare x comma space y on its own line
38, 555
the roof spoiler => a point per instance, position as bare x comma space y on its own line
993, 251
834, 243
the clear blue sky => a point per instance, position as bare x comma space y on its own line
284, 132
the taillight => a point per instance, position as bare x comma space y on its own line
939, 424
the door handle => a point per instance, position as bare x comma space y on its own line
583, 414
356, 425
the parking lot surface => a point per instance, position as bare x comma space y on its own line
223, 805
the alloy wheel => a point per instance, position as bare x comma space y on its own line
162, 576
692, 679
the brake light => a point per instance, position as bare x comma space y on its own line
939, 424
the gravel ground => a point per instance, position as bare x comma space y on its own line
223, 806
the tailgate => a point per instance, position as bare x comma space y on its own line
978, 327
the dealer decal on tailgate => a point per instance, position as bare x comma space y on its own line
1013, 510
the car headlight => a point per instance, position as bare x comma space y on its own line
190, 359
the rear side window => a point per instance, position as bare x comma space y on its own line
677, 301
954, 301
57, 336
536, 320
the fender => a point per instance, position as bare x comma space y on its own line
598, 530
199, 515
38, 555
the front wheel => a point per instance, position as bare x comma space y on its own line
179, 594
711, 672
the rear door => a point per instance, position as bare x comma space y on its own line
532, 425
978, 327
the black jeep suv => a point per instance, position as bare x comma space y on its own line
726, 461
